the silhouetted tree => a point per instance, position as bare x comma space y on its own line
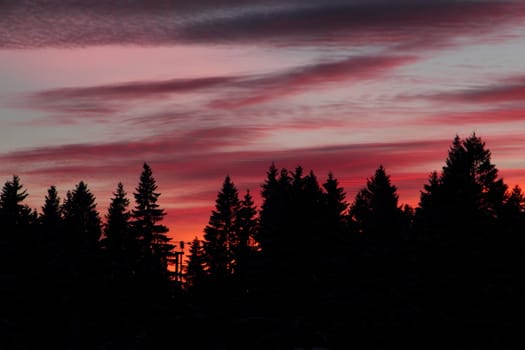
375, 210
513, 215
270, 210
196, 263
313, 205
467, 197
116, 230
246, 221
246, 225
459, 218
82, 220
335, 207
82, 274
335, 248
13, 214
17, 261
307, 230
146, 217
51, 235
359, 213
276, 212
220, 234
51, 212
121, 250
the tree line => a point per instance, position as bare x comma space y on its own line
306, 269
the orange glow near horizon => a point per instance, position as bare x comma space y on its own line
204, 90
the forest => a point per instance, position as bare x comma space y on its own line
308, 269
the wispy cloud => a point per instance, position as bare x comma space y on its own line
189, 168
479, 117
505, 90
500, 102
196, 157
184, 144
81, 23
113, 98
224, 92
313, 77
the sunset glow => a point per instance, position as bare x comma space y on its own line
204, 89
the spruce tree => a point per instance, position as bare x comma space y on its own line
155, 245
82, 220
52, 235
246, 225
276, 212
196, 263
116, 229
335, 204
14, 214
120, 249
82, 231
16, 233
336, 243
513, 215
375, 209
51, 211
359, 213
312, 204
459, 221
467, 198
220, 234
269, 210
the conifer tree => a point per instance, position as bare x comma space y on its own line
336, 205
246, 225
51, 211
312, 204
51, 235
195, 270
12, 212
467, 196
246, 222
146, 217
18, 260
276, 211
375, 209
220, 234
82, 221
121, 250
515, 201
359, 213
16, 227
116, 230
513, 214
269, 210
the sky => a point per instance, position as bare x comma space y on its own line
90, 90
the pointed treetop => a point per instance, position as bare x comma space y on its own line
12, 193
51, 210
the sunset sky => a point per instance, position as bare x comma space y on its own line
89, 90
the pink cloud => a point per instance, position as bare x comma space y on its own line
109, 99
232, 91
312, 77
189, 181
505, 90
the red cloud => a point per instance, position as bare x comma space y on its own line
312, 77
248, 89
108, 99
189, 181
